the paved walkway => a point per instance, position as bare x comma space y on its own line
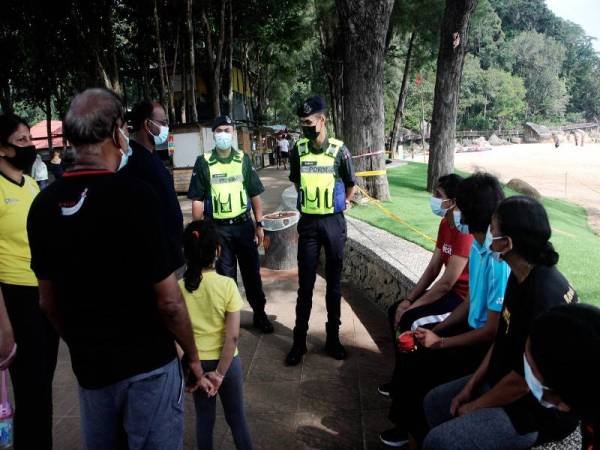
320, 404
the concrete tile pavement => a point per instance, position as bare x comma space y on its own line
320, 404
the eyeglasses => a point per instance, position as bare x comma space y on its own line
164, 123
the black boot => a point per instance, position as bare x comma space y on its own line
262, 323
298, 350
333, 347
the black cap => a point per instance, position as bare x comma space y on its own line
222, 120
311, 106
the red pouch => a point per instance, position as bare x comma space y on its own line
406, 342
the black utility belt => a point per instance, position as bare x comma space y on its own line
321, 216
242, 218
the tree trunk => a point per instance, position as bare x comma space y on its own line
365, 31
161, 59
170, 81
451, 57
192, 68
184, 99
331, 39
49, 119
114, 64
5, 96
215, 56
395, 136
229, 67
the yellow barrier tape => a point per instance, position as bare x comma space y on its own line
393, 216
371, 173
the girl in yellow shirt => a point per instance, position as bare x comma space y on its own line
214, 305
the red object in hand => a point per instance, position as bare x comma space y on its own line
406, 342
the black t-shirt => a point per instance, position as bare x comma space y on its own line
99, 237
544, 288
343, 168
200, 182
148, 167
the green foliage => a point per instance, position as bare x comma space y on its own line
490, 99
538, 59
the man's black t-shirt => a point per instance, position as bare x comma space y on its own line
148, 167
544, 288
99, 237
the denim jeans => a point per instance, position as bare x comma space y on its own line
485, 429
141, 412
232, 398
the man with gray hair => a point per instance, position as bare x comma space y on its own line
106, 284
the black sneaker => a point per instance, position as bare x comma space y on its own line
385, 389
295, 355
262, 323
394, 437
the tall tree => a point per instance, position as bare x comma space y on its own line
365, 29
215, 46
192, 59
399, 115
331, 40
451, 56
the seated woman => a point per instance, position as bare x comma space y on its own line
495, 405
456, 346
565, 366
432, 300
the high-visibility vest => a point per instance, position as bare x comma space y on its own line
227, 192
317, 177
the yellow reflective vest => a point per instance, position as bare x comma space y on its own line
317, 177
227, 192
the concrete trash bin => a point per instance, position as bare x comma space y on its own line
281, 240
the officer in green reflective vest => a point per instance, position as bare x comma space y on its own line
225, 188
321, 169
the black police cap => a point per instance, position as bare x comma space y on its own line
221, 120
311, 106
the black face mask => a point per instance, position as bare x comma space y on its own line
310, 132
23, 159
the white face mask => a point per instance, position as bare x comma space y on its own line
489, 240
535, 386
223, 140
163, 134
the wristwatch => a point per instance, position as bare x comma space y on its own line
259, 223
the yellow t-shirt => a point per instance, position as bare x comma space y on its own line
15, 256
207, 306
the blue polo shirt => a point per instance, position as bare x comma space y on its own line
487, 283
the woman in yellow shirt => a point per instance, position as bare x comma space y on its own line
32, 370
214, 305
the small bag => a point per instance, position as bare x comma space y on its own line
6, 414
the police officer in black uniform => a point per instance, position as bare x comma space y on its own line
225, 187
321, 169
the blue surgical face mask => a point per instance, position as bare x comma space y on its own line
436, 206
223, 140
124, 155
124, 159
163, 134
535, 386
464, 229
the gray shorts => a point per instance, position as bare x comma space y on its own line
141, 412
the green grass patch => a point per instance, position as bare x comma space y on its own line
578, 245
